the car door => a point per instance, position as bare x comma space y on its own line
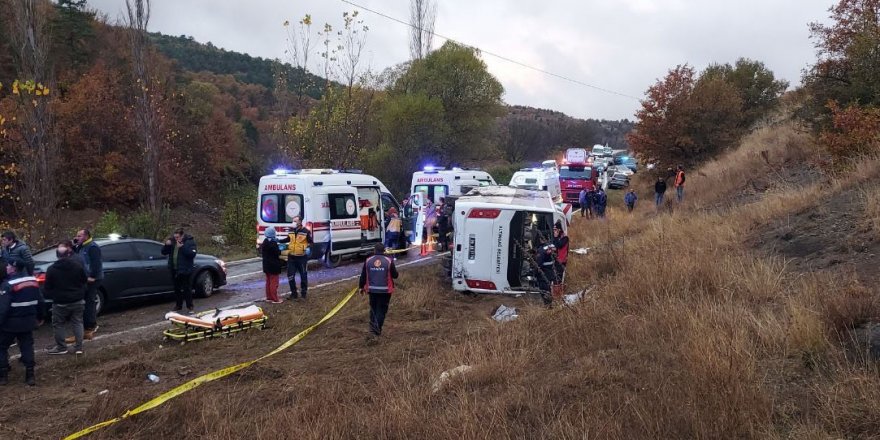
345, 224
121, 267
154, 274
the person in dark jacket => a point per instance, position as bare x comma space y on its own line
298, 252
65, 287
20, 310
13, 248
659, 190
90, 254
630, 200
583, 201
377, 280
547, 266
181, 250
272, 264
600, 201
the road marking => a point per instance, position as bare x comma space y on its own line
242, 304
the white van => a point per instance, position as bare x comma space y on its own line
497, 231
538, 179
345, 211
435, 183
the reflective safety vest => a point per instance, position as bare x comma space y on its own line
299, 242
679, 179
378, 268
394, 225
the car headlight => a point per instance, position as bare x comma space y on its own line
222, 265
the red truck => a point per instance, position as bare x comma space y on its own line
576, 173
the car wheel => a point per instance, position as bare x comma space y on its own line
335, 260
100, 302
204, 284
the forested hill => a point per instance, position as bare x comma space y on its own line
194, 56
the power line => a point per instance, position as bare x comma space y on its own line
501, 57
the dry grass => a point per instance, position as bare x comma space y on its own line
688, 332
871, 203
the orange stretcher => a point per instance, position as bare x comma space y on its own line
213, 323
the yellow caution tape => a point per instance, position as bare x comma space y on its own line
180, 389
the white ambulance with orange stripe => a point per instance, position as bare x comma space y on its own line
345, 210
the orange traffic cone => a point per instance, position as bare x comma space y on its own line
424, 249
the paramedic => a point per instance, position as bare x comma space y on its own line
272, 264
20, 310
560, 241
181, 250
300, 240
547, 267
377, 280
392, 231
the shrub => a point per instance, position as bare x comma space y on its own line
144, 224
110, 223
238, 215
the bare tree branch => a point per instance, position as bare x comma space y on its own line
422, 15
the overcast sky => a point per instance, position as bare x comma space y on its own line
620, 45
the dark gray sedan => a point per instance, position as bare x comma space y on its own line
136, 268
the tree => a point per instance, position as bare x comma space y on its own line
72, 34
38, 146
756, 85
422, 14
471, 97
145, 120
521, 138
848, 67
662, 120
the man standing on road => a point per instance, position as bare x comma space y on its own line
272, 264
377, 280
600, 201
181, 250
20, 311
13, 248
90, 255
300, 240
65, 286
659, 190
679, 184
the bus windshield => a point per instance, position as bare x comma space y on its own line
575, 172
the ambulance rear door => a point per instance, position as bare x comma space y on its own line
343, 224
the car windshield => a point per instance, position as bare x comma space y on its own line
45, 256
575, 172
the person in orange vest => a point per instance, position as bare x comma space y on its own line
679, 183
377, 280
300, 239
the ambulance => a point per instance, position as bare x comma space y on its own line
497, 232
539, 179
435, 183
344, 210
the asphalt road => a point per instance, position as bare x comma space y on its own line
145, 318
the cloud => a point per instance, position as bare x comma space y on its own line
622, 45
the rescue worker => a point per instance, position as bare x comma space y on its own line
679, 184
65, 287
392, 231
582, 201
13, 248
630, 200
659, 190
547, 267
272, 264
181, 250
377, 280
90, 255
20, 311
560, 242
443, 225
600, 201
300, 240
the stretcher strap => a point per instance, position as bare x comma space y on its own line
183, 388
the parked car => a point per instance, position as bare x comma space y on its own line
623, 169
136, 268
618, 181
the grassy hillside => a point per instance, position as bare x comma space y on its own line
745, 312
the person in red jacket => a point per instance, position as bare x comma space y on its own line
377, 280
560, 242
